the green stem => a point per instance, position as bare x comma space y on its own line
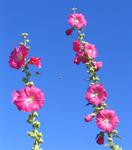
35, 134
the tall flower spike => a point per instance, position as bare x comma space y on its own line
30, 98
96, 95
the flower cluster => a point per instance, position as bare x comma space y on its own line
30, 98
96, 94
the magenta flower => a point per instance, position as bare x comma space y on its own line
90, 50
18, 57
97, 65
29, 99
77, 20
89, 118
77, 46
107, 120
77, 59
35, 61
96, 94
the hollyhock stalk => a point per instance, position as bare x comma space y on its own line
30, 99
96, 94
32, 118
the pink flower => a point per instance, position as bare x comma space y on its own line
90, 50
89, 118
77, 46
35, 61
97, 65
77, 20
29, 99
107, 120
69, 31
100, 139
96, 94
18, 57
77, 59
81, 57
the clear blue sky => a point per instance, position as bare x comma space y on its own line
62, 117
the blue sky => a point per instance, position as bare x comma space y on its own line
62, 117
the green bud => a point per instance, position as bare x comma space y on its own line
31, 134
41, 140
97, 78
21, 43
115, 131
39, 134
24, 80
27, 40
110, 139
99, 108
24, 34
35, 114
91, 69
30, 84
36, 147
36, 124
28, 47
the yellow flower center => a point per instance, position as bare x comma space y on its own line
30, 99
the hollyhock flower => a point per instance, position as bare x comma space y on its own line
96, 94
77, 46
97, 65
100, 139
77, 20
89, 118
35, 61
69, 31
90, 50
18, 57
107, 120
77, 59
29, 99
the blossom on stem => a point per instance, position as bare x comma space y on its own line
77, 20
97, 65
77, 46
89, 118
100, 139
35, 61
69, 31
96, 94
90, 50
18, 57
29, 99
107, 120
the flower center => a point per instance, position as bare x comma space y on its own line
20, 57
94, 95
30, 99
106, 121
76, 21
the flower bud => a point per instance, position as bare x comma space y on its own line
100, 139
69, 31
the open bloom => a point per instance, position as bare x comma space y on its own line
35, 61
90, 50
18, 57
77, 46
96, 94
29, 99
97, 65
107, 120
77, 20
